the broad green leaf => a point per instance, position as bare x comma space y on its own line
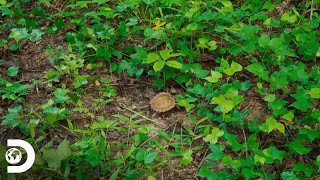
299, 148
152, 57
227, 160
300, 167
289, 116
275, 43
13, 71
141, 154
303, 105
250, 173
270, 97
259, 159
227, 6
150, 157
236, 27
264, 40
268, 5
18, 33
3, 2
215, 76
271, 124
258, 70
289, 176
213, 45
158, 65
63, 150
314, 93
318, 161
80, 81
273, 153
50, 156
218, 100
216, 152
186, 157
165, 54
194, 26
213, 137
203, 43
12, 118
174, 64
36, 35
289, 18
226, 106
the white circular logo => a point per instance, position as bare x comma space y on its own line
13, 156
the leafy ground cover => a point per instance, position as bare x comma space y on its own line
77, 76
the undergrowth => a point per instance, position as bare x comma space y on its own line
228, 59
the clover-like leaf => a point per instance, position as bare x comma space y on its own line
213, 137
271, 124
314, 93
215, 76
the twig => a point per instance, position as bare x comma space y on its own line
145, 117
245, 140
311, 11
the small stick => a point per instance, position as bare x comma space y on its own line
145, 117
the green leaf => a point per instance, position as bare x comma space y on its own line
3, 2
289, 18
12, 118
150, 157
272, 124
300, 167
186, 157
297, 147
141, 154
318, 161
213, 137
230, 70
227, 160
18, 33
258, 70
314, 93
249, 173
289, 116
157, 66
275, 43
302, 104
13, 71
36, 35
289, 176
213, 45
152, 57
174, 64
215, 76
227, 6
269, 6
264, 40
216, 152
80, 81
165, 54
50, 156
194, 26
273, 153
63, 150
259, 159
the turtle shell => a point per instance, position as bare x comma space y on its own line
162, 102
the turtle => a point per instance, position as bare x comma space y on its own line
162, 102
